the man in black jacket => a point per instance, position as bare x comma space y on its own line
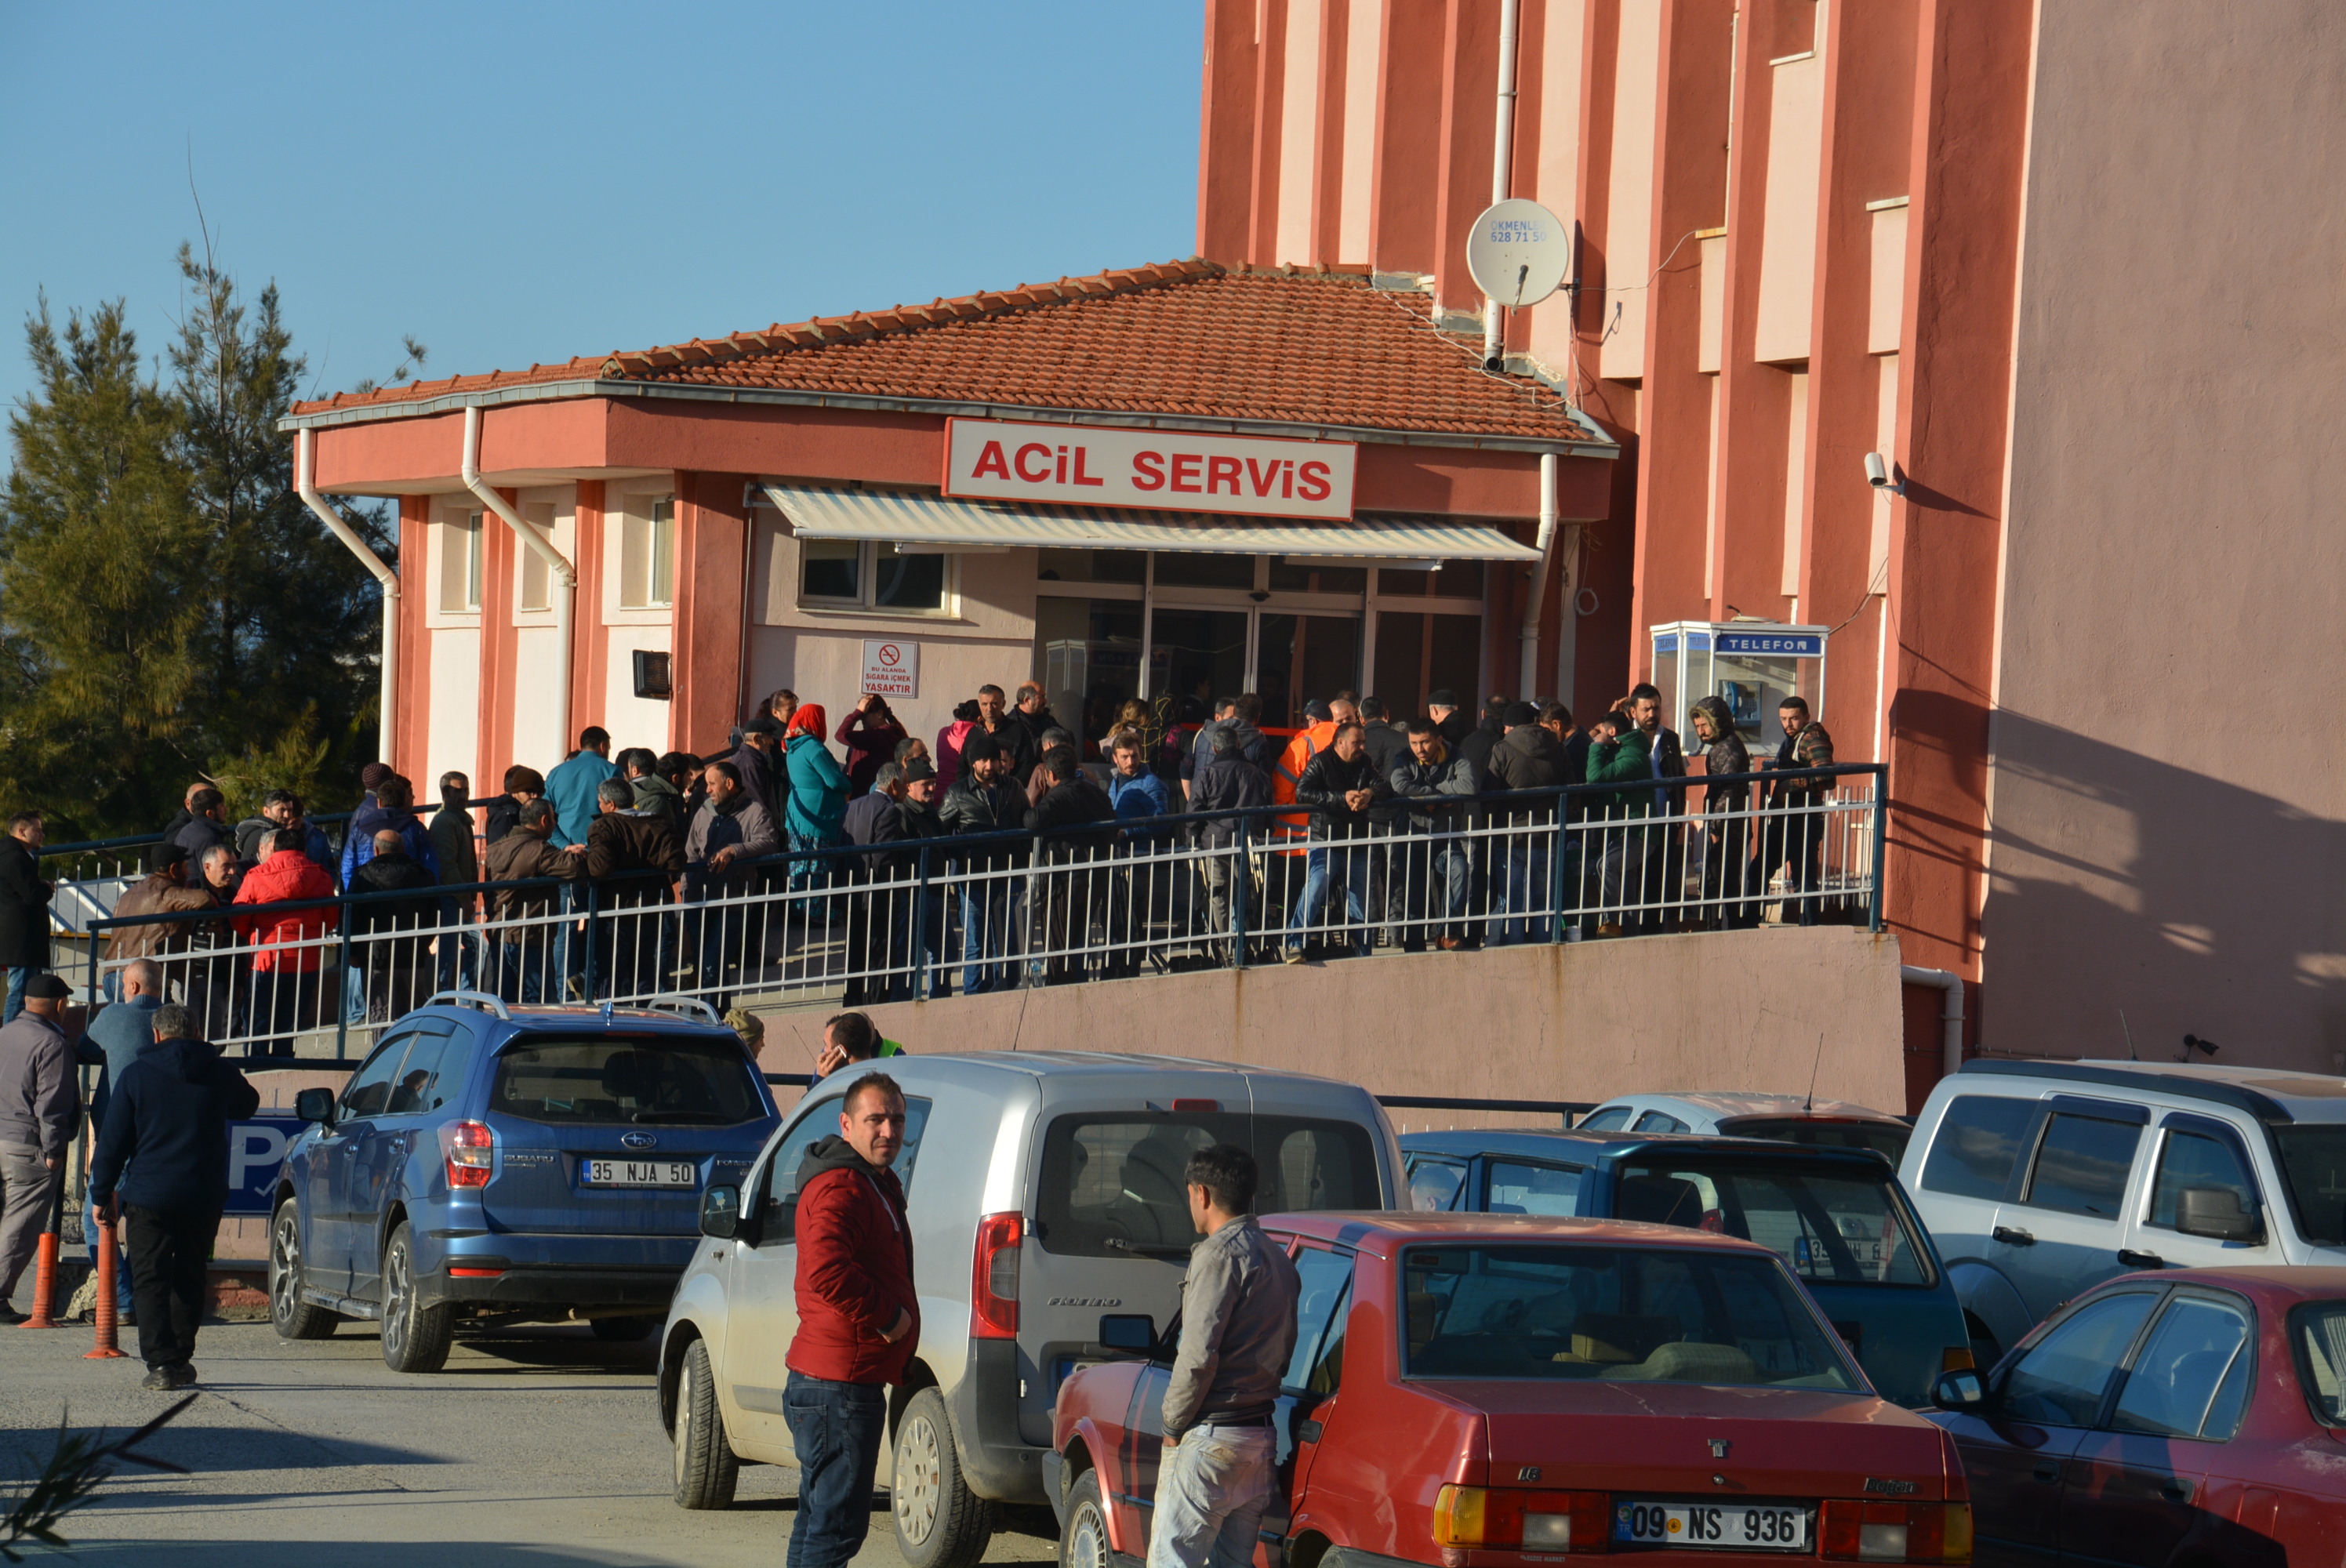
1075, 891
391, 965
985, 800
23, 908
1665, 849
1341, 786
1230, 782
168, 1121
916, 810
1528, 756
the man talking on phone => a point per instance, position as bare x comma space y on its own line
1237, 1330
859, 1319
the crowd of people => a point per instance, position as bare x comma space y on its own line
630, 873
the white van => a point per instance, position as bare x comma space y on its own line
2041, 1179
1050, 1229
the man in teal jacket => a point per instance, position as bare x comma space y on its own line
1618, 753
571, 786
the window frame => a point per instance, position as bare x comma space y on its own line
2099, 1420
2215, 1131
2297, 1355
1491, 1162
645, 519
2176, 1296
400, 1044
1341, 1311
867, 579
1462, 1164
2024, 1154
2117, 1112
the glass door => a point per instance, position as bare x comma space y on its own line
1196, 656
1300, 658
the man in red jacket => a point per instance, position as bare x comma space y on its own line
859, 1319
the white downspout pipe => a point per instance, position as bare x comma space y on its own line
1951, 1012
544, 547
1501, 155
1538, 590
305, 484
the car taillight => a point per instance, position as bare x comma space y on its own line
1466, 1516
471, 1150
1864, 1532
994, 1277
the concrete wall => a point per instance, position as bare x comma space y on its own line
2168, 819
1761, 1010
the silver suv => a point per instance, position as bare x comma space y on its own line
2041, 1179
1050, 1230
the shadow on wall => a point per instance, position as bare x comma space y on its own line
2196, 904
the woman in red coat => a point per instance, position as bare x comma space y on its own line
287, 943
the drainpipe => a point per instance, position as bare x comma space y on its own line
305, 484
544, 547
1951, 1015
1538, 589
1501, 152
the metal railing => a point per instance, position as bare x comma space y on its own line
914, 918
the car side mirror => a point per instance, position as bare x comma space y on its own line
720, 1211
315, 1105
1133, 1331
1961, 1389
2214, 1212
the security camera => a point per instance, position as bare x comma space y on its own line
1877, 474
1258, 595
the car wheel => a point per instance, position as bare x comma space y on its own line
414, 1337
1083, 1540
940, 1522
294, 1317
706, 1468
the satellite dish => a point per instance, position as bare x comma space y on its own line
1519, 253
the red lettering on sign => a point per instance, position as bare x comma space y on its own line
1062, 465
1262, 476
1082, 478
1312, 481
1220, 471
1041, 473
1148, 470
1185, 466
990, 461
1287, 480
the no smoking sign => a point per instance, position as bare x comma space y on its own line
891, 669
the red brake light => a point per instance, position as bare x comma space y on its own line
994, 1277
1474, 1516
1187, 1107
470, 1149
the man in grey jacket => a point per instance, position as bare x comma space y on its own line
1237, 1330
40, 1110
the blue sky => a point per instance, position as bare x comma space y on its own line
514, 183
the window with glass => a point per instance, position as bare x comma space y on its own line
460, 562
1829, 1223
369, 1091
1616, 1314
2317, 1333
1113, 1185
2061, 1378
2081, 1164
1520, 1186
1088, 657
2190, 1159
536, 588
643, 1080
1434, 1184
2312, 1159
1322, 1302
433, 1076
849, 574
1887, 1139
2190, 1379
1977, 1144
648, 554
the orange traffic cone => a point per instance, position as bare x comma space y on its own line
106, 1311
45, 1283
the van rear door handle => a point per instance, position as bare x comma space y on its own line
2133, 1259
2175, 1490
1307, 1431
2012, 1238
2048, 1470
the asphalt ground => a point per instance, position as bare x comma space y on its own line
539, 1446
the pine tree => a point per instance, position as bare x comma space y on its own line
98, 554
288, 647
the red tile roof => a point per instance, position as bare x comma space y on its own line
1191, 340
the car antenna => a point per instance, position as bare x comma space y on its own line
2129, 1034
1810, 1104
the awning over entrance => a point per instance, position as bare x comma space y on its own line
906, 519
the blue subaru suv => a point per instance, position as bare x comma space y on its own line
489, 1165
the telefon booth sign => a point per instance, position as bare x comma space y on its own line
1750, 666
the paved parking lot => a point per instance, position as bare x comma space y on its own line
536, 1447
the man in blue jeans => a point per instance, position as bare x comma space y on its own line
859, 1319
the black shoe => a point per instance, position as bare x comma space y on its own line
181, 1376
10, 1317
157, 1378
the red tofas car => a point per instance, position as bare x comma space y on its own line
1486, 1391
2193, 1417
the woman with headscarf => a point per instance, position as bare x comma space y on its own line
815, 793
1726, 816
